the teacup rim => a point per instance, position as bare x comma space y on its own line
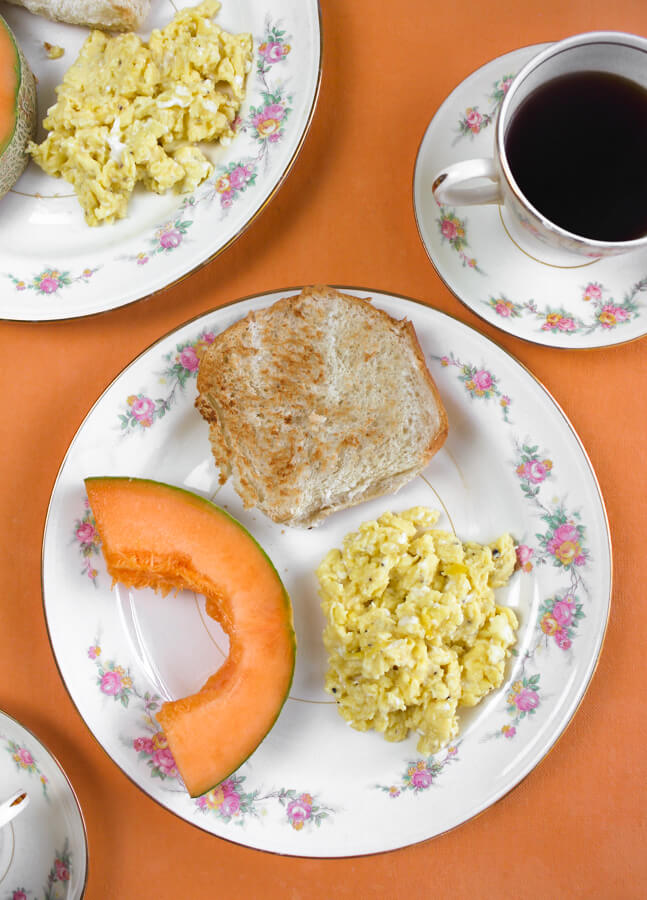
575, 40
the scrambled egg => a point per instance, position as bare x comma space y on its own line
129, 111
412, 628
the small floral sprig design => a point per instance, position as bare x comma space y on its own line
420, 774
480, 383
559, 617
472, 121
166, 238
228, 801
180, 366
302, 810
113, 680
87, 537
25, 762
533, 468
51, 280
20, 893
272, 49
522, 700
59, 874
155, 750
563, 542
151, 746
234, 180
453, 230
267, 120
607, 313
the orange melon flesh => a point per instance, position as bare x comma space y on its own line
9, 80
159, 536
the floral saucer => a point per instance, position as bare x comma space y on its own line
43, 851
54, 266
583, 305
316, 787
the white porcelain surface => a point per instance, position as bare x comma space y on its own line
537, 294
43, 851
315, 787
54, 266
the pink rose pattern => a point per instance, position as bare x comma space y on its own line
25, 762
230, 802
266, 126
51, 280
479, 382
561, 543
453, 231
607, 314
420, 774
88, 540
113, 680
60, 872
180, 366
472, 121
155, 750
559, 618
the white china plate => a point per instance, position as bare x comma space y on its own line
54, 266
590, 304
315, 787
43, 851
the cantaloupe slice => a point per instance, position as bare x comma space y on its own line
17, 109
155, 535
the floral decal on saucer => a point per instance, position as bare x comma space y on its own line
606, 313
88, 540
51, 280
25, 761
59, 875
472, 122
180, 367
479, 382
420, 774
265, 124
453, 231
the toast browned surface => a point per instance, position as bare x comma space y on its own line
318, 402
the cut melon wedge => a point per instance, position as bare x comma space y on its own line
17, 109
159, 536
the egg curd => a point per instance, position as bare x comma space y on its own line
131, 112
412, 628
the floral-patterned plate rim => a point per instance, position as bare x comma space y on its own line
315, 787
583, 306
44, 851
54, 266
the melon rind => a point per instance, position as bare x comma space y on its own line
138, 559
14, 158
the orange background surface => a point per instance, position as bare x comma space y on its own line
576, 827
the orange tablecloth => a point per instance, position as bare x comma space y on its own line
576, 827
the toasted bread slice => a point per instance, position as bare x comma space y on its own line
318, 402
111, 15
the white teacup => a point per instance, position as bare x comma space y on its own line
481, 181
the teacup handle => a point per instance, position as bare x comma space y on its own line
452, 186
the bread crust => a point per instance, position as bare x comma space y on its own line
318, 402
111, 15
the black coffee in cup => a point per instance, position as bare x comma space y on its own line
577, 148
